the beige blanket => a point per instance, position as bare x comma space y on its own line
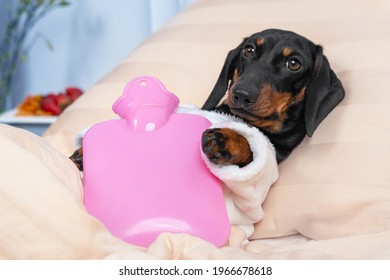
332, 200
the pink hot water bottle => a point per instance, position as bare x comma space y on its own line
144, 175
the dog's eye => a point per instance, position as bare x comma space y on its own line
249, 51
293, 64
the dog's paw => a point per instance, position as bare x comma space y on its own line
224, 146
77, 158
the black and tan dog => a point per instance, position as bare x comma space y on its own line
277, 81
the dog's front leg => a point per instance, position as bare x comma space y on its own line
77, 158
224, 146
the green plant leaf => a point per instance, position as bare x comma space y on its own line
24, 57
49, 45
64, 3
25, 2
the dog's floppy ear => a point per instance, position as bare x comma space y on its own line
225, 76
323, 94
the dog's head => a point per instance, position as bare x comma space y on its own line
271, 71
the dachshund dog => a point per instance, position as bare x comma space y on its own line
277, 81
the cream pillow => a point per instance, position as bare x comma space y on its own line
337, 183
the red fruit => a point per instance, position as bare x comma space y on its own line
49, 104
73, 92
51, 96
63, 100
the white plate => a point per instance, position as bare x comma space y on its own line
10, 117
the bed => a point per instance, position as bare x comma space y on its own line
332, 199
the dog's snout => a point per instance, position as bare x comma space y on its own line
243, 98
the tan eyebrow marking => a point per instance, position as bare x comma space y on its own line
287, 52
259, 41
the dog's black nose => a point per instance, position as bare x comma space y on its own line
243, 98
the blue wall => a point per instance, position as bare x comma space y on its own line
89, 38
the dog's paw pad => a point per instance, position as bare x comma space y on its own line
224, 146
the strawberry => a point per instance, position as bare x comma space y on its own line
49, 104
73, 92
63, 100
51, 96
56, 103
